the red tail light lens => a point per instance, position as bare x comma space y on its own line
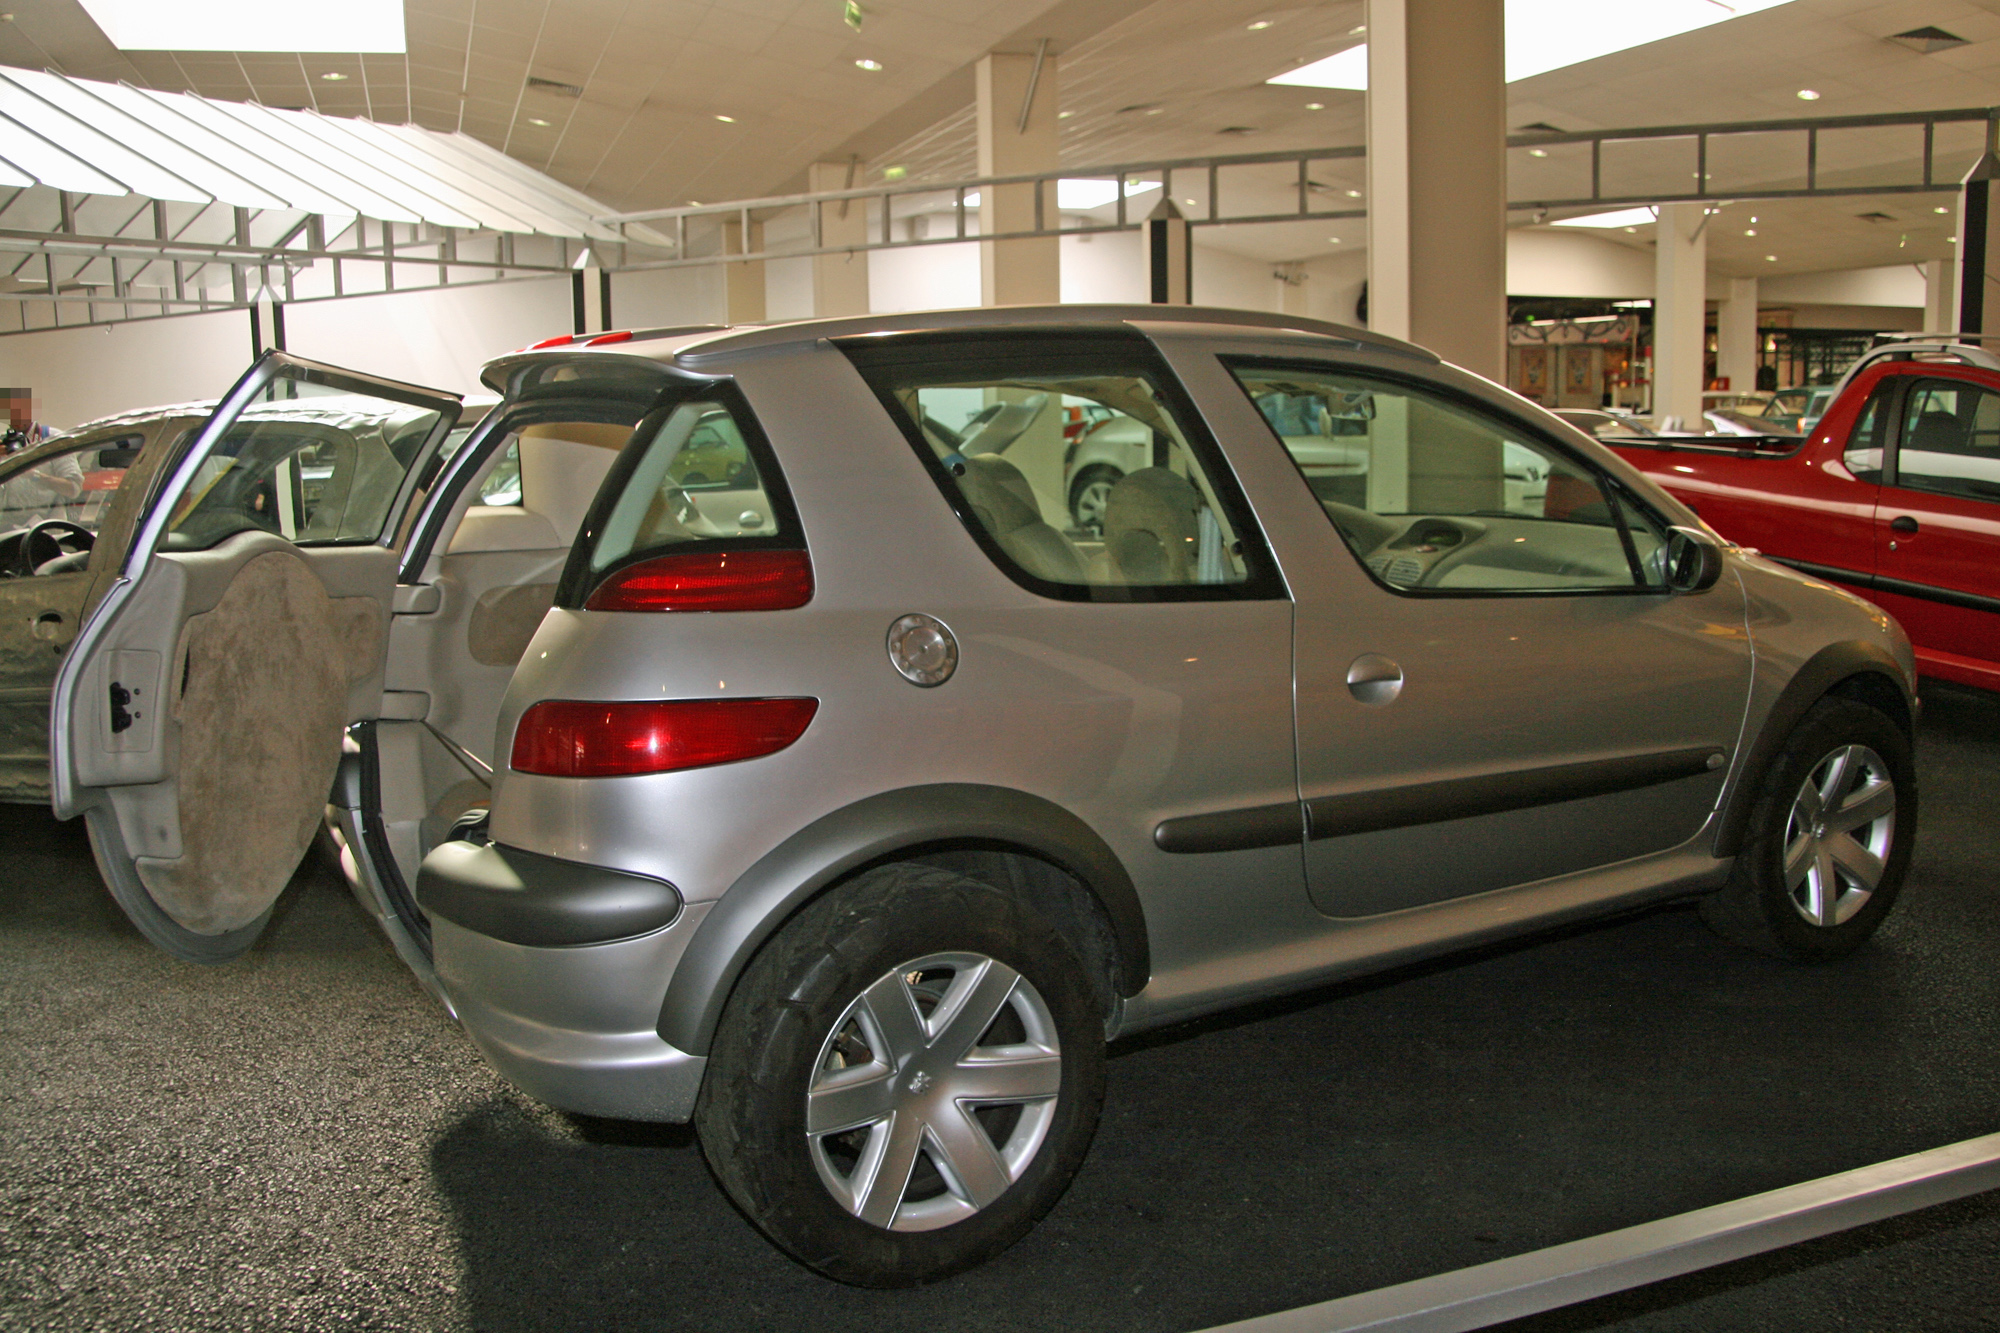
622, 336
570, 738
709, 581
560, 340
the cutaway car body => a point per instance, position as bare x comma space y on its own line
741, 725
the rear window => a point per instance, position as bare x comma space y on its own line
697, 474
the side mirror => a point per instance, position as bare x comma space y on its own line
1694, 560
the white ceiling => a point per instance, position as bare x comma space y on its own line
655, 74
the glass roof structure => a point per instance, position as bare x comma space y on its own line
167, 202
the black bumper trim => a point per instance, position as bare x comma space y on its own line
540, 901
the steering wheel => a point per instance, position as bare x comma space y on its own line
44, 542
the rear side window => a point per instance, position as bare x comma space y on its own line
1075, 465
698, 476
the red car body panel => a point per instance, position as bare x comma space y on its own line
1930, 558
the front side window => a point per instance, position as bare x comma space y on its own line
315, 465
1870, 436
1439, 497
1951, 440
1077, 470
50, 511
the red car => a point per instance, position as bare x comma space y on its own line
1895, 494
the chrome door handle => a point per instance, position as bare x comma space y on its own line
1374, 679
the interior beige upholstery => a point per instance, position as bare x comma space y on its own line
265, 678
1152, 527
1005, 505
504, 619
562, 465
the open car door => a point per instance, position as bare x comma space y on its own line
196, 722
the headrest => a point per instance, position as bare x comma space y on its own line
1937, 433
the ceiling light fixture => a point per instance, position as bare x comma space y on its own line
1808, 95
1154, 110
537, 120
1259, 25
727, 120
1770, 259
1751, 232
1538, 152
1928, 41
870, 65
333, 76
374, 26
1315, 106
1354, 194
894, 173
1940, 210
1064, 115
1544, 35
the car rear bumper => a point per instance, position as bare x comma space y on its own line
571, 1024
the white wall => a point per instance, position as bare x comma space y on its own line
1105, 268
1574, 263
924, 277
1893, 285
78, 375
1235, 282
435, 338
1333, 285
665, 298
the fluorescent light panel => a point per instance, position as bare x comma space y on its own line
1624, 217
250, 25
1553, 34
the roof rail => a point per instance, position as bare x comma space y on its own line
1923, 347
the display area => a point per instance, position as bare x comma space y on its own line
1335, 616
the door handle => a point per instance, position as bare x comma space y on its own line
1374, 679
49, 628
1902, 523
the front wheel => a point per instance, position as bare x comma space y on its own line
906, 1079
1829, 839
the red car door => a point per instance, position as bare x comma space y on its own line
1937, 525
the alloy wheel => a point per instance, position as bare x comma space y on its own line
1839, 835
933, 1091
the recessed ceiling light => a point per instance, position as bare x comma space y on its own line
1064, 115
1751, 232
537, 120
727, 120
1770, 259
1753, 219
870, 65
1259, 25
1951, 240
1333, 240
1354, 194
1189, 202
1315, 106
894, 173
1538, 152
1632, 229
1940, 210
333, 76
1808, 95
1154, 110
1357, 30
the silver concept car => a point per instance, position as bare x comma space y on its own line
739, 727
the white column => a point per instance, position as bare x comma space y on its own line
1940, 303
1736, 335
840, 281
1016, 103
744, 283
1437, 197
1680, 313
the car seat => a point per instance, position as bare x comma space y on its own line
1005, 505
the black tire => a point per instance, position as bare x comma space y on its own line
1800, 919
1084, 511
799, 1021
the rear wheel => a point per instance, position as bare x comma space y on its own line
905, 1080
1829, 840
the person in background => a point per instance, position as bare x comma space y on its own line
41, 493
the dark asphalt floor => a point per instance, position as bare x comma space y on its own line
302, 1140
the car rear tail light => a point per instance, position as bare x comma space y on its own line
622, 336
709, 581
571, 738
560, 340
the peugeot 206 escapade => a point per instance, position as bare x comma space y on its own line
725, 733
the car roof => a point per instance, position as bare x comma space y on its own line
694, 346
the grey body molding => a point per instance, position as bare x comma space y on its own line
910, 821
1823, 672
